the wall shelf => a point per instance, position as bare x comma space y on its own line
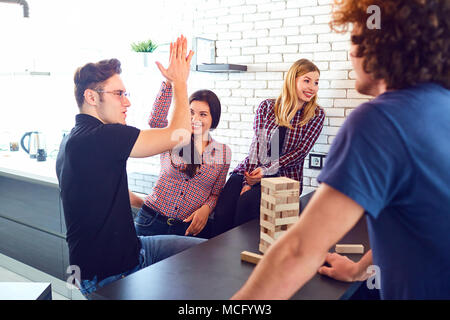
26, 73
220, 67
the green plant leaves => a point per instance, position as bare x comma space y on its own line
144, 46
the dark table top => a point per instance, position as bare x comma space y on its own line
213, 270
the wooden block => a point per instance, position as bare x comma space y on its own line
286, 193
250, 257
266, 204
287, 207
265, 217
266, 238
264, 243
273, 183
267, 225
280, 183
263, 248
349, 248
268, 212
284, 221
278, 198
289, 213
277, 235
280, 228
268, 198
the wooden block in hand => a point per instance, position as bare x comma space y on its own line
250, 257
349, 248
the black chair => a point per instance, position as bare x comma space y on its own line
305, 199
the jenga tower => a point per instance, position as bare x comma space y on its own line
279, 208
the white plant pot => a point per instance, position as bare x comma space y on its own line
147, 59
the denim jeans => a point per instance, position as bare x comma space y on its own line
148, 225
154, 249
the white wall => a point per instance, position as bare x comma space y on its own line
267, 36
60, 36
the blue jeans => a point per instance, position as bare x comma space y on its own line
154, 249
149, 225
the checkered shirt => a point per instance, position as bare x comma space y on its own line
297, 144
175, 194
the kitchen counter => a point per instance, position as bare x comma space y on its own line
19, 165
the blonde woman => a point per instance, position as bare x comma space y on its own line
285, 131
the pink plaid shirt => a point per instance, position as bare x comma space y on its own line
297, 144
175, 195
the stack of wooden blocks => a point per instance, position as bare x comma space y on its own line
279, 208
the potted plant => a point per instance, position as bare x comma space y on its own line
145, 48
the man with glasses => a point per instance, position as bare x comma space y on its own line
91, 170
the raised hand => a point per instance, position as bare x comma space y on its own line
179, 63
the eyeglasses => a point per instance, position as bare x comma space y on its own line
119, 93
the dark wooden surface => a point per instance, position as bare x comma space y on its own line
213, 270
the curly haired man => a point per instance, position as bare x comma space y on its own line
389, 162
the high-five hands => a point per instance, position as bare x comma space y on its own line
179, 62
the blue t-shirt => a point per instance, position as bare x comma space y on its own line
392, 156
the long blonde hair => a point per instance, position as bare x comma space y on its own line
286, 105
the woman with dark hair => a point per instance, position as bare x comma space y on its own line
191, 176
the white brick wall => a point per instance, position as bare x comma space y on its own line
268, 36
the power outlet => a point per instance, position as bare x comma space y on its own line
316, 160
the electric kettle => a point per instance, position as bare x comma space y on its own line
34, 144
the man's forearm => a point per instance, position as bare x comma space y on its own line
181, 116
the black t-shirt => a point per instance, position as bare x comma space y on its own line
91, 170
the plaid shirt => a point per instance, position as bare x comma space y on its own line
297, 144
175, 195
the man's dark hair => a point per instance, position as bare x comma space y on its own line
411, 47
92, 75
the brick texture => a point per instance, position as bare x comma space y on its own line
268, 36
